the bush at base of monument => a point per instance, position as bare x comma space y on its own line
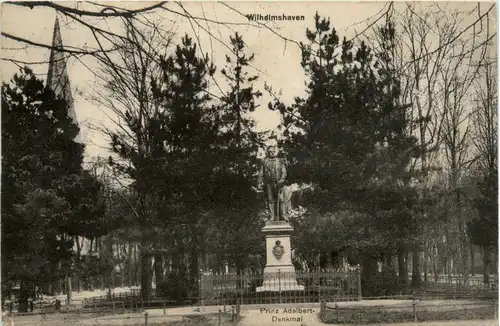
175, 287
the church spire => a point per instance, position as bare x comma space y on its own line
57, 76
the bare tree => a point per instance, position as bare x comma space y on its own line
484, 138
97, 19
485, 115
421, 69
125, 90
455, 139
435, 57
87, 15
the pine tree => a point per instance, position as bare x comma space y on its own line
238, 143
393, 195
189, 151
168, 157
348, 138
46, 196
330, 132
484, 228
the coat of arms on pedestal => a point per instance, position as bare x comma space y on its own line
278, 250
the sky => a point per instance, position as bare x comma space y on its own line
277, 62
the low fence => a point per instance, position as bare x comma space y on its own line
459, 281
251, 288
415, 308
280, 287
119, 304
226, 317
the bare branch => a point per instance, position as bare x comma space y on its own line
117, 12
71, 50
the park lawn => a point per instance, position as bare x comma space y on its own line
204, 320
201, 320
129, 320
385, 316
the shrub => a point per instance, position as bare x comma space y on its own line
174, 287
381, 284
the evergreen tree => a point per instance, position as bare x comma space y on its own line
46, 196
348, 138
187, 172
166, 150
237, 144
484, 228
330, 133
393, 197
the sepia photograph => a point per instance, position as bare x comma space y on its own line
249, 163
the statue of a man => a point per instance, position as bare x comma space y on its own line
272, 177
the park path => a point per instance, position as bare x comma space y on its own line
254, 318
443, 323
306, 314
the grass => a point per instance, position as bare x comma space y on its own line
386, 316
208, 320
187, 321
202, 320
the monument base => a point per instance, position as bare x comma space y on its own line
279, 279
279, 273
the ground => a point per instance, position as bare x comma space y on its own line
446, 323
251, 315
391, 311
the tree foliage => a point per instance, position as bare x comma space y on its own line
46, 196
349, 139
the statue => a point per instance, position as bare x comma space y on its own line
285, 199
272, 177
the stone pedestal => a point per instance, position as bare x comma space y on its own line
279, 273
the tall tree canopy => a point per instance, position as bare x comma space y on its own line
47, 198
348, 138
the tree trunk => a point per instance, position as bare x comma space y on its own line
129, 266
426, 261
158, 267
369, 271
435, 260
239, 269
168, 266
387, 263
176, 261
472, 260
56, 285
137, 266
444, 261
46, 288
69, 290
145, 274
494, 265
78, 261
323, 261
24, 294
89, 282
464, 270
416, 277
403, 269
194, 267
464, 242
217, 262
109, 277
486, 265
